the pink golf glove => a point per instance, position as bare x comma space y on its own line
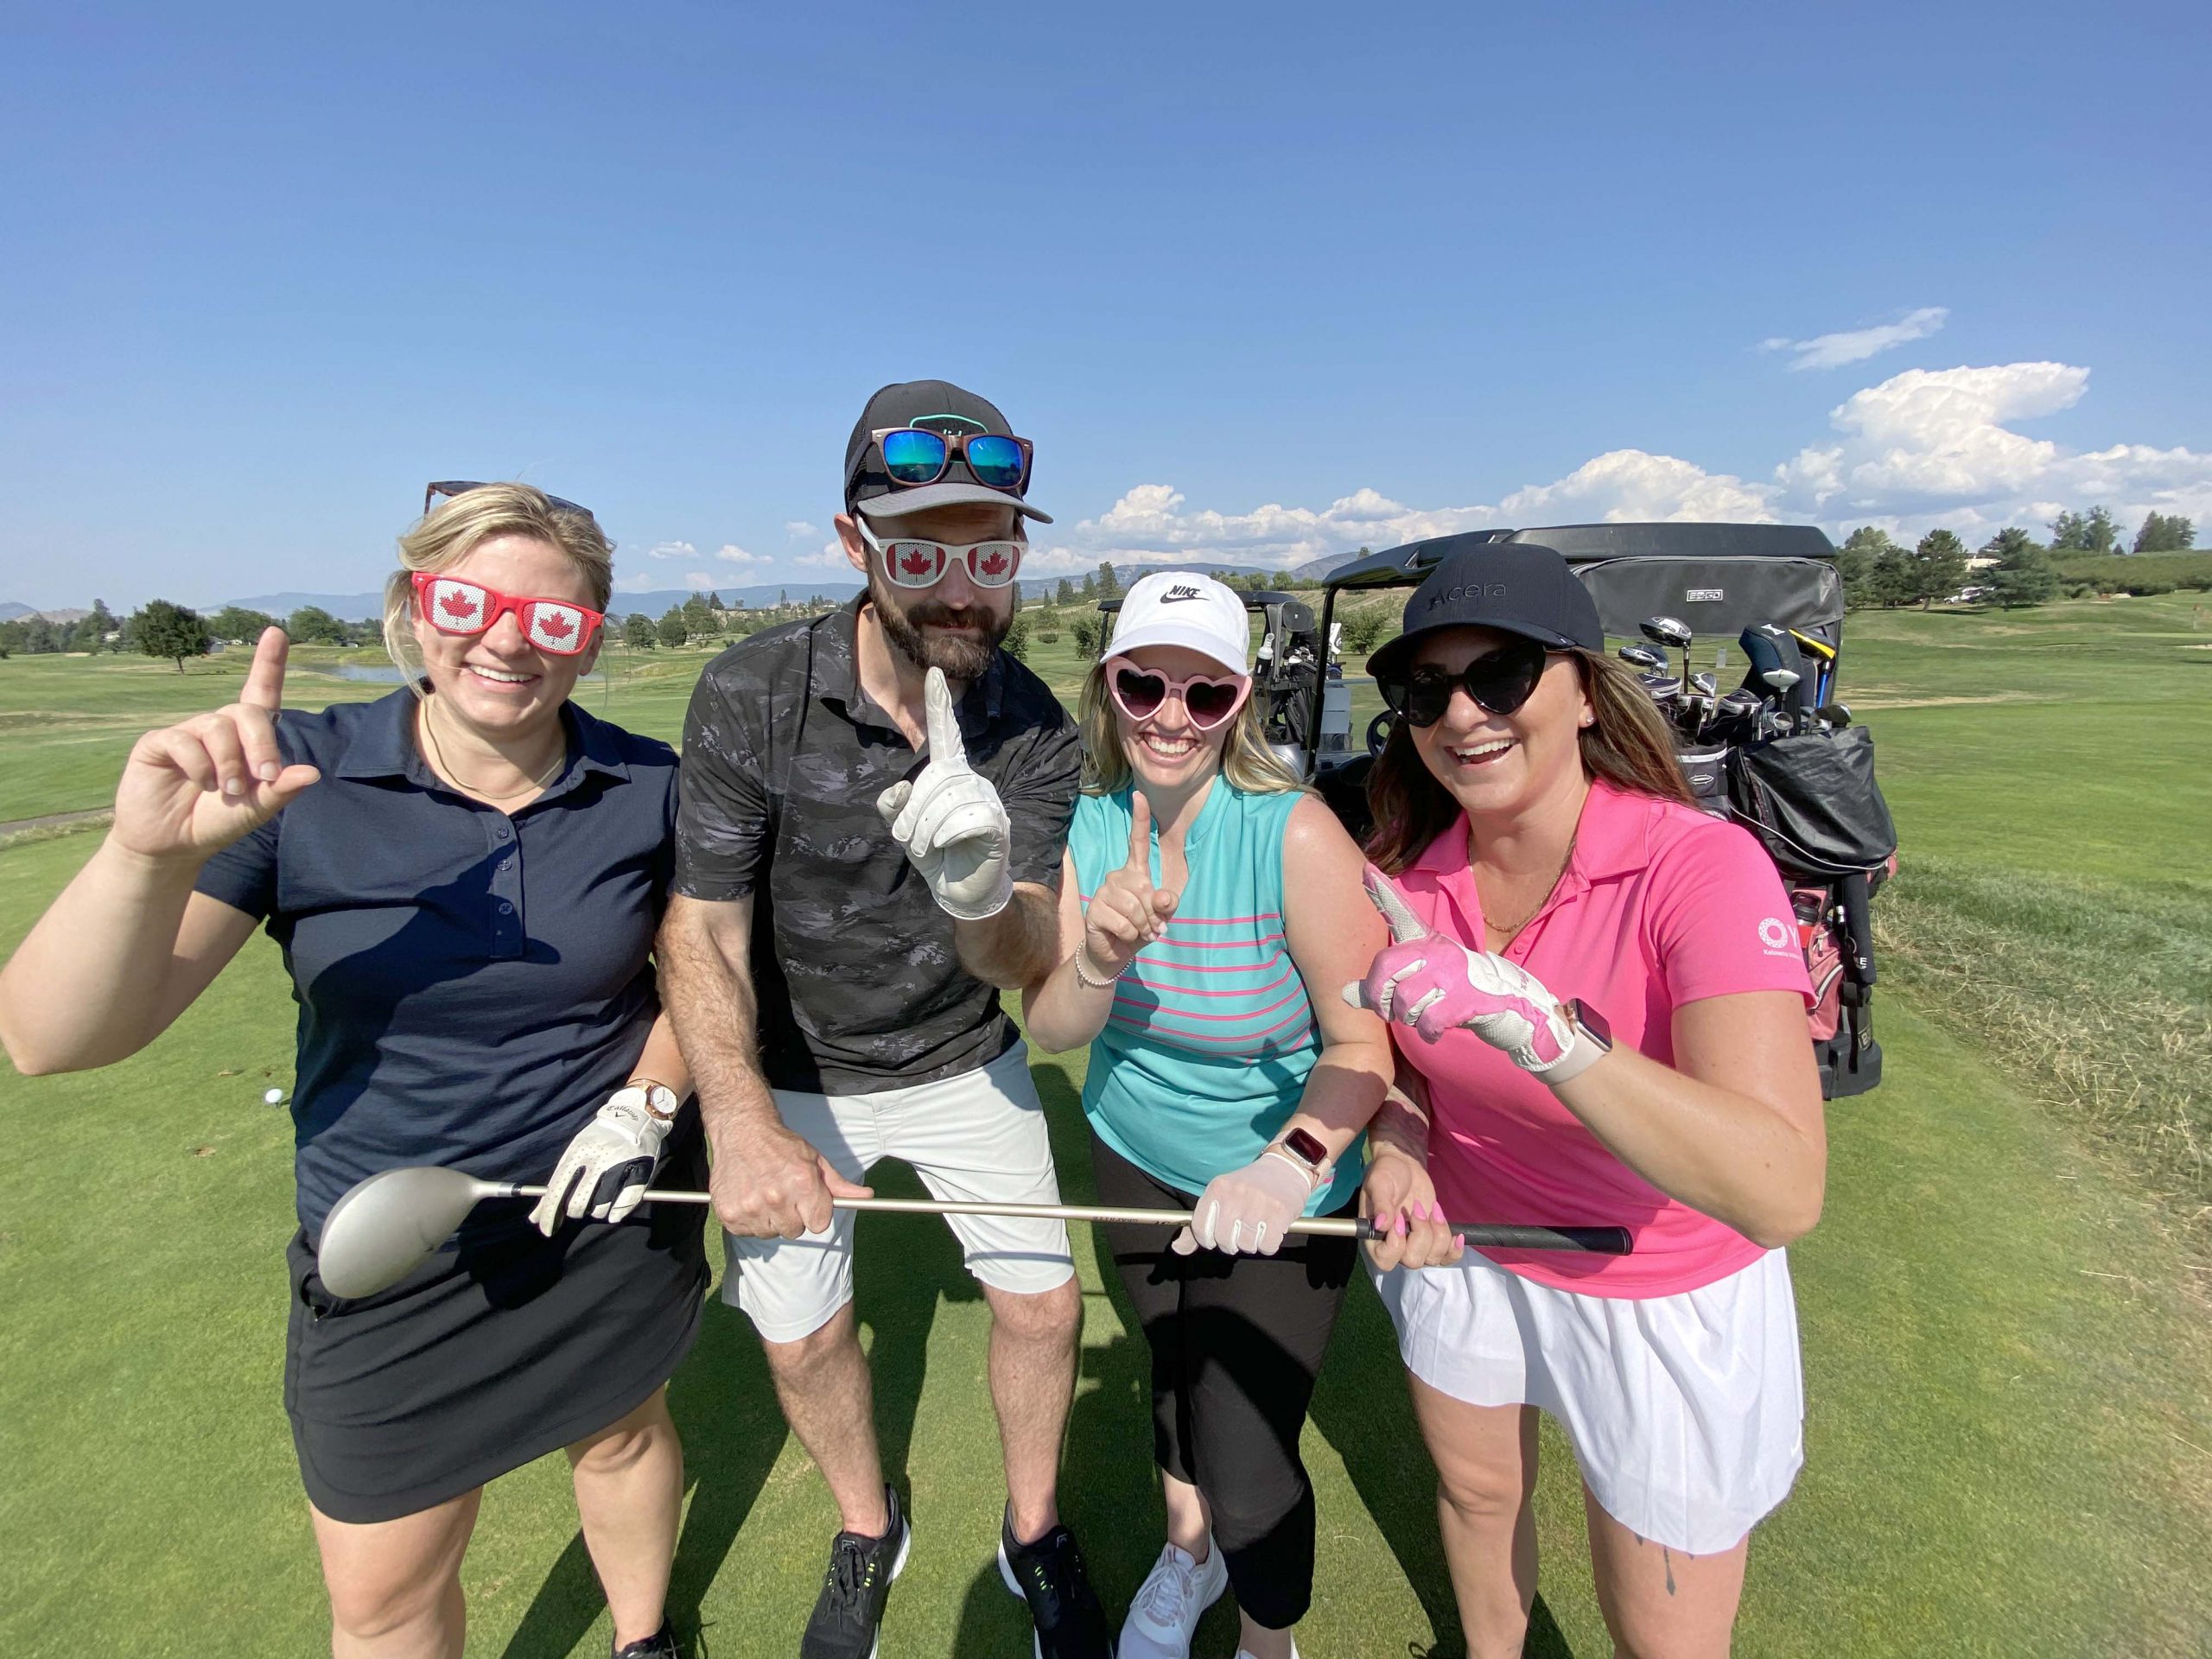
1433, 984
1249, 1210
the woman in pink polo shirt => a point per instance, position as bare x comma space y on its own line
1599, 1001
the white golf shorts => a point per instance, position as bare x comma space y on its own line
1685, 1412
978, 1137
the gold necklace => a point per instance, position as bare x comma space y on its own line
446, 767
1512, 932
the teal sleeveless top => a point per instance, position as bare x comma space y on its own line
1206, 1052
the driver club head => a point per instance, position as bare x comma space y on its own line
1668, 630
1781, 679
1644, 657
382, 1228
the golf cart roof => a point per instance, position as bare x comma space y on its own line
1719, 578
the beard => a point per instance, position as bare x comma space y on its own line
958, 658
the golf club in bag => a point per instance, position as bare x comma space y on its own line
1810, 798
382, 1228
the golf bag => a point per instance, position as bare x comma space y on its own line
1811, 799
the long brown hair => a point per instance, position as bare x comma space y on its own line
1628, 744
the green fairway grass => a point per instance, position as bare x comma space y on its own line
2009, 1377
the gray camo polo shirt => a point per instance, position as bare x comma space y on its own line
853, 962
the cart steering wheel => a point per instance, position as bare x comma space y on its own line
1378, 731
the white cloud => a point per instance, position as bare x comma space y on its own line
698, 581
671, 550
731, 553
1151, 523
831, 558
1932, 447
1857, 345
798, 529
1923, 449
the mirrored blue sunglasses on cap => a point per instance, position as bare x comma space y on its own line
913, 455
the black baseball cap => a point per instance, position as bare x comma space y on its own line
1513, 587
936, 406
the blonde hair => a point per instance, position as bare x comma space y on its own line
1246, 760
444, 537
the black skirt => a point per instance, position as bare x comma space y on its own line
493, 1353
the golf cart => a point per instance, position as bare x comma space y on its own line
1778, 752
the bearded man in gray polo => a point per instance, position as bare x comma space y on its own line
844, 914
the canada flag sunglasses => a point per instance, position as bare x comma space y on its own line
1208, 699
911, 562
558, 626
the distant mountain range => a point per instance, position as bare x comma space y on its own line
10, 611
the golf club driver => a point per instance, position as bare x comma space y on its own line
1783, 682
1670, 631
385, 1226
1644, 658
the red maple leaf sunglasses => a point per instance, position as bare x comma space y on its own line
559, 627
910, 563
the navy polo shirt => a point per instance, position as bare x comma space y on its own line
472, 984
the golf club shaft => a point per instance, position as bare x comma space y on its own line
1594, 1241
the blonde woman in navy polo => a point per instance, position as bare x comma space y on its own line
1208, 910
465, 877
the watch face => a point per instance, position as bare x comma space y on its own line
1305, 1148
1591, 1021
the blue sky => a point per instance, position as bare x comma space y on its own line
1262, 282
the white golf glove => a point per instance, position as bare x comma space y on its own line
1248, 1212
605, 1169
950, 822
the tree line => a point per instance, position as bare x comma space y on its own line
1878, 571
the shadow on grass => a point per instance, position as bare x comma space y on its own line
724, 1403
1109, 1491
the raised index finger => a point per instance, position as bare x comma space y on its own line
1141, 833
1405, 925
946, 748
264, 680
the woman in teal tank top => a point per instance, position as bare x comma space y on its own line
1210, 910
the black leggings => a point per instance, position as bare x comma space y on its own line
1237, 1342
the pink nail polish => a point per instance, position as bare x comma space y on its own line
1400, 1228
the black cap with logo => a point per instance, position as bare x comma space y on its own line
1513, 587
932, 406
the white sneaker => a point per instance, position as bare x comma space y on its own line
1169, 1603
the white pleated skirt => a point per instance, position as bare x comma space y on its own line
1685, 1412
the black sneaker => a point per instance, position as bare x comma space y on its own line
1050, 1576
661, 1644
854, 1590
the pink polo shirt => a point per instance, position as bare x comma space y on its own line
1661, 904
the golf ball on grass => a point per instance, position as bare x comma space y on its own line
273, 1097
